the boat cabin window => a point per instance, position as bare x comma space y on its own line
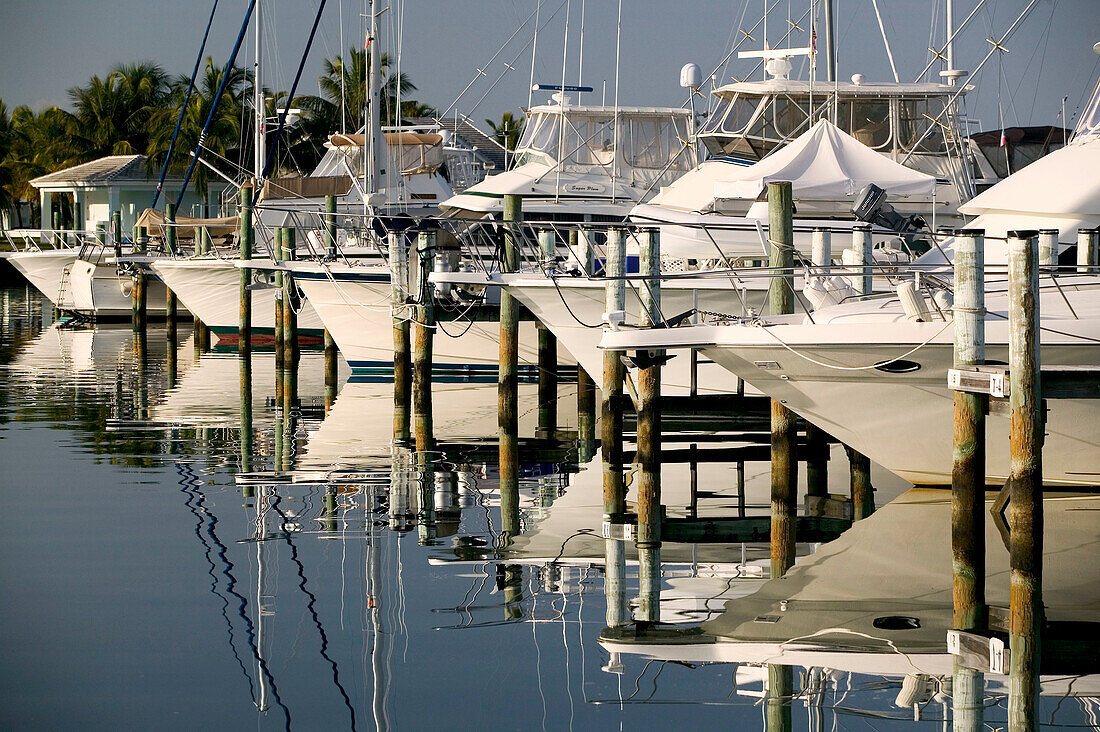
588, 141
540, 135
651, 142
867, 120
914, 117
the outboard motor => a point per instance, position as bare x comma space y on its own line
871, 207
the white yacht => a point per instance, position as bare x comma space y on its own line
70, 268
585, 163
710, 209
875, 376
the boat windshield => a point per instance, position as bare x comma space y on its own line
588, 140
751, 126
1088, 127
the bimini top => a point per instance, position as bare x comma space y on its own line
824, 163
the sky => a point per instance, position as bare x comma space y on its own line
49, 46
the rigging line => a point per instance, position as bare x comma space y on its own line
192, 505
272, 148
311, 606
481, 72
183, 109
226, 74
242, 606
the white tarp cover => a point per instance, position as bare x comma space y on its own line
825, 163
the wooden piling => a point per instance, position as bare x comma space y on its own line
245, 364
116, 232
169, 296
138, 294
817, 462
777, 703
1048, 247
859, 465
968, 470
1086, 250
422, 347
1025, 482
547, 352
784, 431
863, 246
611, 413
586, 416
201, 332
244, 322
402, 363
330, 226
280, 331
291, 349
821, 253
862, 491
649, 400
331, 370
649, 583
508, 374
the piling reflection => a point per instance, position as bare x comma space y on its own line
357, 563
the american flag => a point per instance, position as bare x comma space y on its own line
813, 44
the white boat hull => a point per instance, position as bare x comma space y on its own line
46, 270
210, 290
571, 306
355, 308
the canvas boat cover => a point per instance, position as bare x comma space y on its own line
153, 221
825, 163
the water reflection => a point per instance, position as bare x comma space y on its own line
347, 584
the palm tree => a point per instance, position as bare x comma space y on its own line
40, 143
507, 130
113, 114
343, 87
412, 109
225, 136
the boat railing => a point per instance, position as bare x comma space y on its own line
38, 240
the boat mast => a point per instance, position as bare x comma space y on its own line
950, 39
373, 150
830, 49
259, 151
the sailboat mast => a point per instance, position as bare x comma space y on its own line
259, 152
830, 49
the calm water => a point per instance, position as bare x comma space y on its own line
143, 586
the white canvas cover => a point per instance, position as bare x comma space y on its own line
825, 163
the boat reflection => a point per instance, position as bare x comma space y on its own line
877, 602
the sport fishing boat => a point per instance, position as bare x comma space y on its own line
873, 373
585, 163
823, 163
715, 208
72, 270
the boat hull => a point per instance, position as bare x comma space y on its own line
210, 290
355, 308
570, 307
904, 421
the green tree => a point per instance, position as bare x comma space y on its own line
39, 143
343, 86
506, 132
226, 137
113, 115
